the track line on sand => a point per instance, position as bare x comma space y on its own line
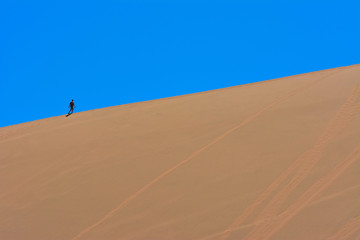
214, 235
335, 126
335, 195
309, 159
349, 229
310, 194
196, 153
351, 226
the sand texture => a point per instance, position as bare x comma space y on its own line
278, 160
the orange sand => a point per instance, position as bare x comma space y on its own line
278, 159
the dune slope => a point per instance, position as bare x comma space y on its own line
278, 159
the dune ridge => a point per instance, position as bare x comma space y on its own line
260, 161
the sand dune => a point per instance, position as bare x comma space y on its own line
278, 159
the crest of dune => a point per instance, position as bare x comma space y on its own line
278, 159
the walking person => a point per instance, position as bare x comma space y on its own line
71, 106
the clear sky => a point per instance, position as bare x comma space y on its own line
111, 52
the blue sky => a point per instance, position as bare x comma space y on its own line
111, 52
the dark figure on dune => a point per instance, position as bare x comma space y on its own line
71, 106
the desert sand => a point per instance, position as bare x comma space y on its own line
278, 159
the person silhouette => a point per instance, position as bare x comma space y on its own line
71, 106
